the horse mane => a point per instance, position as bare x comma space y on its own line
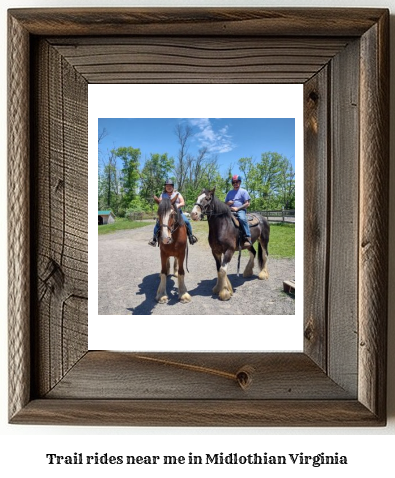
220, 207
180, 220
165, 207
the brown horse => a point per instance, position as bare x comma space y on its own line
172, 243
224, 240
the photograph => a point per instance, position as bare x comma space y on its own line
212, 197
197, 217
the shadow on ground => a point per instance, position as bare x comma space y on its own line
150, 283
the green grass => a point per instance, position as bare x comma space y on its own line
282, 240
281, 243
121, 224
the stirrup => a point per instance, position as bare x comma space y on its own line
247, 240
153, 242
192, 239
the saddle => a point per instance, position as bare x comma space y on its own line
252, 219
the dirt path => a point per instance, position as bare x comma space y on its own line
129, 277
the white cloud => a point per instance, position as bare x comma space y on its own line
217, 141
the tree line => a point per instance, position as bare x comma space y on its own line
126, 185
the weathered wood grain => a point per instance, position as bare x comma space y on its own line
60, 198
374, 219
18, 214
196, 376
202, 413
344, 216
346, 127
163, 59
260, 22
316, 213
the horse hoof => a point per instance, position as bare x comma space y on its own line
162, 300
225, 294
216, 290
247, 273
263, 275
185, 298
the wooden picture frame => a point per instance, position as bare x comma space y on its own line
342, 58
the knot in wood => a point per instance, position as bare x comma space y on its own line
313, 96
308, 332
244, 376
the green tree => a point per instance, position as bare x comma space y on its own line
223, 183
287, 187
248, 168
269, 169
130, 175
153, 175
108, 184
270, 181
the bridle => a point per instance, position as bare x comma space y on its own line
172, 229
208, 209
175, 224
204, 210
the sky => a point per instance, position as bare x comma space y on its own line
227, 139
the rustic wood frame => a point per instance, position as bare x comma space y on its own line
342, 57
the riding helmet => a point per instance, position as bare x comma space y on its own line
169, 181
236, 178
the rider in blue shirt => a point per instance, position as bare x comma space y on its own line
238, 199
169, 193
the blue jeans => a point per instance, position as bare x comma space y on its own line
242, 216
186, 220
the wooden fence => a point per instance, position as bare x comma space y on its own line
280, 215
139, 216
284, 215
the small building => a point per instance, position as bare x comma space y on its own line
106, 217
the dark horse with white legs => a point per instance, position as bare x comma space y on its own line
224, 240
172, 243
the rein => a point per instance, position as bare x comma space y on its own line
173, 228
168, 227
207, 212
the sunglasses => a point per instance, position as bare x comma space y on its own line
235, 182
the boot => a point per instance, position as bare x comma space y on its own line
247, 240
192, 239
153, 241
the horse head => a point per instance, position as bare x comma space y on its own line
202, 204
167, 217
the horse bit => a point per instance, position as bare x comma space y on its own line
205, 211
176, 224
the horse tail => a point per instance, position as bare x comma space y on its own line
260, 256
